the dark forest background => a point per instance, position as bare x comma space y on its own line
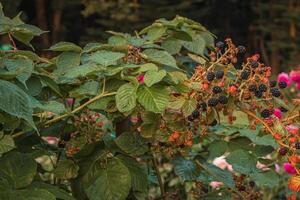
268, 27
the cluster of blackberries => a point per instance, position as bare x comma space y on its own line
212, 75
222, 99
245, 74
196, 113
258, 91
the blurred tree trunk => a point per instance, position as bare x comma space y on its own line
274, 51
56, 30
42, 21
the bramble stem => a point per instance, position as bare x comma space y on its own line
160, 182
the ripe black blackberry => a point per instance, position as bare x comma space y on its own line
212, 102
282, 85
282, 151
297, 145
254, 64
195, 114
245, 74
223, 99
210, 76
220, 44
265, 113
202, 106
217, 89
262, 88
219, 74
273, 83
282, 109
252, 88
190, 118
66, 136
241, 49
258, 93
252, 184
275, 92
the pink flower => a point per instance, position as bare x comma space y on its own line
215, 184
284, 77
70, 101
293, 129
298, 86
141, 78
277, 113
277, 168
288, 168
295, 75
222, 163
51, 140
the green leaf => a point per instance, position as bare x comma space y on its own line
156, 32
242, 161
137, 172
66, 169
196, 46
217, 148
15, 101
56, 191
150, 125
53, 106
161, 57
197, 58
126, 97
172, 45
176, 103
218, 174
21, 168
6, 144
16, 64
106, 58
110, 183
148, 67
65, 46
34, 194
132, 144
154, 99
89, 88
67, 60
152, 77
185, 169
189, 106
266, 140
81, 71
267, 179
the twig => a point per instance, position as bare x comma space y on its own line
12, 42
160, 182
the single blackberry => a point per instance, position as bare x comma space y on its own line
239, 63
275, 92
282, 85
245, 74
210, 76
297, 145
220, 44
213, 123
217, 89
282, 109
282, 151
242, 188
252, 184
265, 113
219, 74
195, 114
262, 88
273, 83
212, 102
254, 64
241, 49
258, 93
252, 88
223, 99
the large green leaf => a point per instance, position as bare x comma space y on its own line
152, 77
106, 58
189, 106
6, 144
172, 45
16, 64
126, 97
55, 190
217, 148
196, 46
150, 125
266, 179
137, 172
65, 46
161, 57
156, 32
110, 183
21, 168
15, 101
81, 71
53, 106
185, 169
35, 194
67, 60
66, 169
242, 161
154, 99
132, 143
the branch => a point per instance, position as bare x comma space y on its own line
12, 42
160, 182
